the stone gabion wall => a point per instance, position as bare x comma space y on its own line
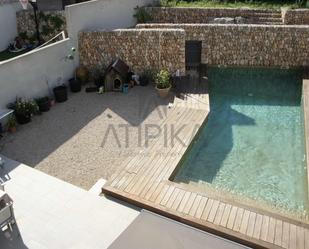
206, 15
297, 16
141, 49
8, 1
248, 45
26, 24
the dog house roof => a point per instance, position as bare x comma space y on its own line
119, 66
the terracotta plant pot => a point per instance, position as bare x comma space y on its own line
51, 102
12, 129
82, 74
163, 93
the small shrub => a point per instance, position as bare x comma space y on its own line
25, 107
301, 3
42, 100
23, 35
11, 122
141, 15
150, 75
163, 79
49, 25
56, 22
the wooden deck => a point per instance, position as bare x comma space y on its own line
145, 182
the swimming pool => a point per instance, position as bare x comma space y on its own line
252, 144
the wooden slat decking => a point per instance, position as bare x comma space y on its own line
145, 182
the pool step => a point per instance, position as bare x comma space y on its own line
270, 20
265, 14
192, 101
265, 17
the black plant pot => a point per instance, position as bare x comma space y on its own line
44, 106
23, 118
144, 81
61, 93
75, 85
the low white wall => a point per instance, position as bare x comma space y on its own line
27, 75
101, 14
8, 25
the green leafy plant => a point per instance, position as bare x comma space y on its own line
11, 122
56, 22
46, 30
167, 3
163, 79
50, 25
41, 16
141, 15
150, 74
42, 100
301, 3
25, 107
24, 36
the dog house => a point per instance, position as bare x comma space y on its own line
116, 76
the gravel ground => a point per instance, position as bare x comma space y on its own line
72, 141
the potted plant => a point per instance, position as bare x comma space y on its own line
163, 83
147, 77
82, 74
61, 93
24, 109
11, 124
98, 77
43, 103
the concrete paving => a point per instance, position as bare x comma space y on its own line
54, 214
84, 139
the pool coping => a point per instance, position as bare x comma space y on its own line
306, 123
249, 226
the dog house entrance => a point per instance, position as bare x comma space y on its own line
117, 85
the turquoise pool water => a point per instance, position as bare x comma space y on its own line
253, 142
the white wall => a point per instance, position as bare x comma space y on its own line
8, 25
101, 14
27, 75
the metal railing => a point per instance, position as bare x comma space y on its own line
62, 35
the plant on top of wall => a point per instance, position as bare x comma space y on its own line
50, 25
302, 3
167, 3
141, 15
